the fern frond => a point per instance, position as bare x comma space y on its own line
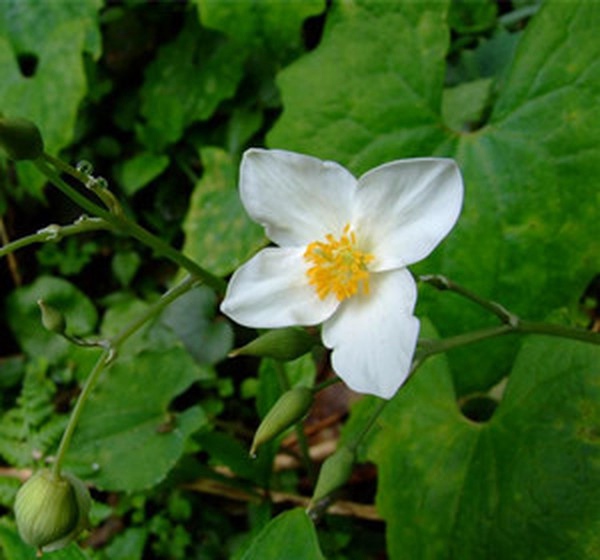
32, 430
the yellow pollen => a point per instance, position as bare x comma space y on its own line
338, 266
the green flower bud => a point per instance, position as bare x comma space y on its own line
335, 472
20, 139
289, 409
52, 319
51, 510
281, 344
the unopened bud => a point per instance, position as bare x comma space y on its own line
281, 344
291, 407
20, 139
335, 472
51, 510
52, 319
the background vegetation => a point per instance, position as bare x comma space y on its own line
491, 451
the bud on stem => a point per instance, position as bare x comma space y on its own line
281, 344
335, 472
289, 409
52, 319
51, 510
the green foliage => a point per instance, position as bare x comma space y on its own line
186, 82
271, 25
488, 452
216, 217
291, 533
24, 316
31, 430
15, 549
128, 443
527, 474
43, 75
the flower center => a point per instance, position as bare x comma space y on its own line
338, 266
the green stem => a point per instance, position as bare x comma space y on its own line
427, 348
547, 329
121, 223
55, 233
103, 360
110, 349
366, 428
512, 323
442, 283
323, 385
184, 286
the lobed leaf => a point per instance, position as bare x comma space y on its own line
524, 484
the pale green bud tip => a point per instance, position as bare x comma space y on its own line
281, 344
20, 139
335, 472
52, 319
51, 510
291, 407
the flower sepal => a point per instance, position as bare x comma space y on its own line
281, 344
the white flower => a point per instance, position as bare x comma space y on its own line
344, 245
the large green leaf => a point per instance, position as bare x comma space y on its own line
127, 438
42, 65
372, 92
289, 535
524, 485
218, 232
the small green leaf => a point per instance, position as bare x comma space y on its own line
463, 106
125, 264
290, 535
218, 232
127, 438
137, 172
472, 16
276, 25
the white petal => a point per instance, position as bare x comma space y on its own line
406, 207
374, 337
271, 290
297, 198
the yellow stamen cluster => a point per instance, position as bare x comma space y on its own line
338, 266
